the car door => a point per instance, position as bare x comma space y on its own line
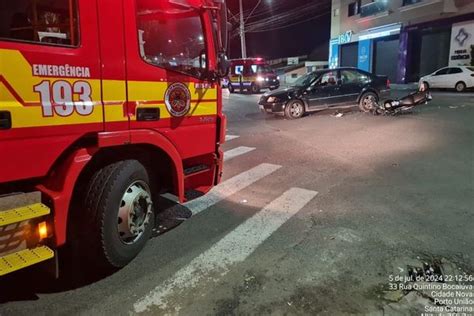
455, 74
325, 91
438, 80
169, 89
352, 83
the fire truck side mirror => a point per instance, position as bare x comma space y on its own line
223, 66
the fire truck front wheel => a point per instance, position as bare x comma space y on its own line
119, 213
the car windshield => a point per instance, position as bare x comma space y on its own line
261, 69
305, 80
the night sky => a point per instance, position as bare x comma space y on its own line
297, 40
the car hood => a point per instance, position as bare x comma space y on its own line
282, 93
426, 77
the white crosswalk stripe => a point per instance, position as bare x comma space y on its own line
230, 187
233, 248
239, 151
231, 137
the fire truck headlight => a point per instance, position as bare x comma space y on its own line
260, 79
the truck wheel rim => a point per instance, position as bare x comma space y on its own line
135, 212
295, 109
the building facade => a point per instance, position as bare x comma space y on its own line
403, 39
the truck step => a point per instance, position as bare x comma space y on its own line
194, 170
24, 258
23, 213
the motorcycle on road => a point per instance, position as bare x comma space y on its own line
403, 105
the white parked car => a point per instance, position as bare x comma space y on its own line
459, 78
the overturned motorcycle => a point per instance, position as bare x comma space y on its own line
403, 105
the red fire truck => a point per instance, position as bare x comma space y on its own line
105, 105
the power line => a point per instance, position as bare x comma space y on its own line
282, 20
256, 6
289, 25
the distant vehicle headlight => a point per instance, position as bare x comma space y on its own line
278, 77
272, 99
260, 79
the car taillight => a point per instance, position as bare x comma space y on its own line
388, 83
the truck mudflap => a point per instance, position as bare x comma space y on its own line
18, 225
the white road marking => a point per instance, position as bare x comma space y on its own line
235, 247
231, 154
231, 137
225, 93
230, 187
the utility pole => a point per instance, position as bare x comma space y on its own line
242, 31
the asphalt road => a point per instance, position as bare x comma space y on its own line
313, 217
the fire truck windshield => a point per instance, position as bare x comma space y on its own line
173, 41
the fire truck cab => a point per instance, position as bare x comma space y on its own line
104, 105
251, 74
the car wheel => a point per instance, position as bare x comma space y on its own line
231, 88
368, 102
254, 88
294, 110
460, 86
118, 215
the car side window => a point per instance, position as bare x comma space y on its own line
443, 71
354, 77
453, 71
329, 79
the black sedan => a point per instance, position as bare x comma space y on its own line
326, 88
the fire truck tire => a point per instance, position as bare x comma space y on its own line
118, 212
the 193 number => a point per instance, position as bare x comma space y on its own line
59, 98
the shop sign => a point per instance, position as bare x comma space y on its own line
462, 38
345, 37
